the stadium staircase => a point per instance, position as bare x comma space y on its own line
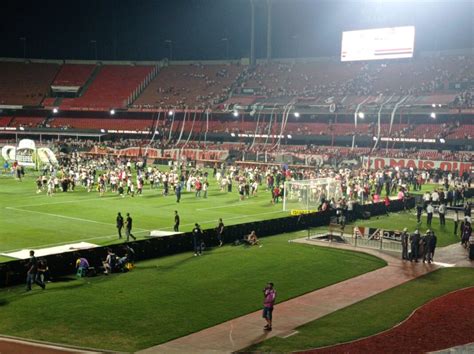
90, 80
143, 85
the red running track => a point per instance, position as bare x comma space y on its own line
442, 323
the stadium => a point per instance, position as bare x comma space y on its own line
211, 176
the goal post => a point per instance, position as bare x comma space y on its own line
307, 195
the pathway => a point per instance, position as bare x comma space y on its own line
244, 331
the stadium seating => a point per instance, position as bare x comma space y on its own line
111, 88
31, 122
101, 123
25, 84
5, 121
73, 75
194, 85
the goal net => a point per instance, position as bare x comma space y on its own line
309, 194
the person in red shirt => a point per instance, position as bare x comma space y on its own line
387, 204
276, 195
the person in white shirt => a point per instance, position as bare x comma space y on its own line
429, 214
426, 199
435, 197
442, 213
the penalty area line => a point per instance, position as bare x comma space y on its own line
66, 217
69, 201
115, 235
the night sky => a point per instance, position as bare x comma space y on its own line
137, 29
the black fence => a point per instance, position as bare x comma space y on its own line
14, 272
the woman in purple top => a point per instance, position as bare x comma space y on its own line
82, 265
269, 294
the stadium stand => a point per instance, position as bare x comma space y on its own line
73, 75
197, 85
25, 84
101, 123
5, 121
32, 122
113, 87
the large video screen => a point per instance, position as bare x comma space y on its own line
379, 43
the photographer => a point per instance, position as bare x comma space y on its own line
269, 294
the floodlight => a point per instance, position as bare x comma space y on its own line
433, 105
170, 113
112, 112
235, 113
55, 110
433, 115
442, 140
297, 114
361, 115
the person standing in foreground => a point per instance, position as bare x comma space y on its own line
404, 239
176, 221
128, 228
220, 232
429, 214
197, 240
442, 212
431, 244
178, 192
31, 274
269, 294
119, 222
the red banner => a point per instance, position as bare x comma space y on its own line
382, 162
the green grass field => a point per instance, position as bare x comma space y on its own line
30, 220
169, 297
173, 296
373, 315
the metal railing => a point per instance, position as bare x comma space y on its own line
357, 241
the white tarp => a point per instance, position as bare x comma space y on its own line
41, 252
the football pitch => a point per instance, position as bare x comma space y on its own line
31, 220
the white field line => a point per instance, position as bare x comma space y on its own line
69, 201
224, 219
230, 206
115, 235
66, 217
